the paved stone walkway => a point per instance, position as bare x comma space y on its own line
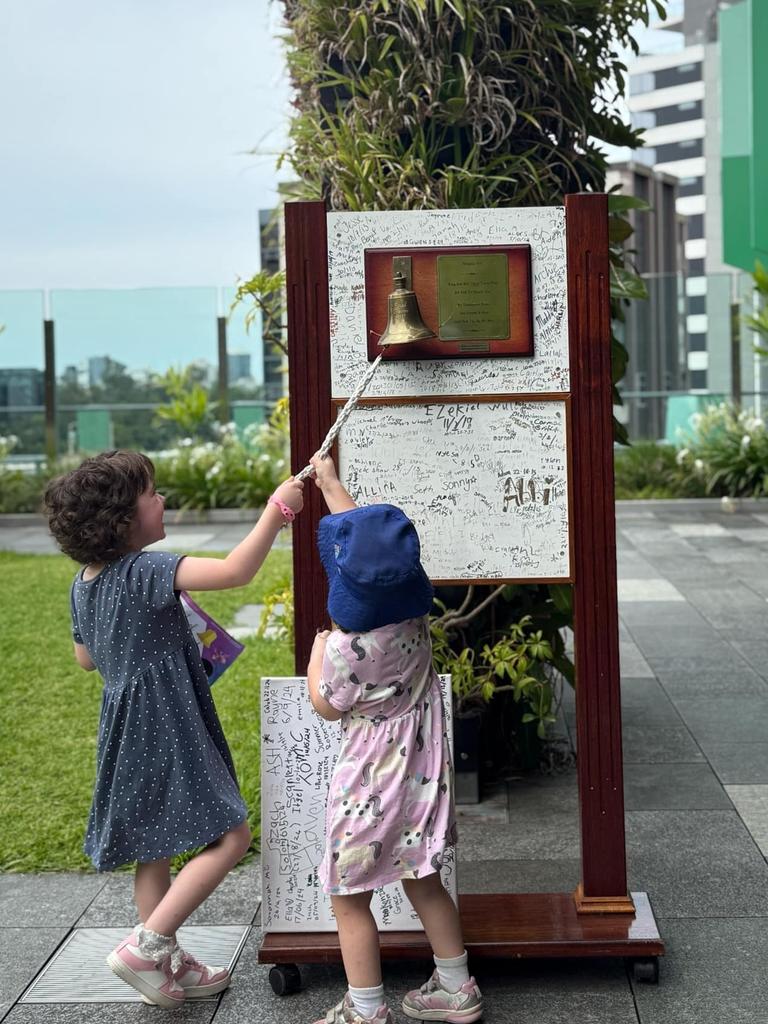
693, 590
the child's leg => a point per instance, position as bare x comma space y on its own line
151, 882
359, 939
450, 994
437, 913
197, 880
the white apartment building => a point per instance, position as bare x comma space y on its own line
667, 99
674, 97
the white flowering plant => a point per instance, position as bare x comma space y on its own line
240, 469
728, 450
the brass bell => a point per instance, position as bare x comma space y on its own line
404, 322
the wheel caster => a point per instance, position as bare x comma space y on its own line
285, 979
647, 970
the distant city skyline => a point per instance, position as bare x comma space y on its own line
143, 328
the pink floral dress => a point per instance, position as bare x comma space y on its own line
390, 811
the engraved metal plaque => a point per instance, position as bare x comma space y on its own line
473, 298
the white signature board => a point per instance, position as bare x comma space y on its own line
298, 753
485, 483
543, 228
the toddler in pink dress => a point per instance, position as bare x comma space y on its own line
390, 814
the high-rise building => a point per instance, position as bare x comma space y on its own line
674, 96
274, 378
22, 386
654, 330
238, 366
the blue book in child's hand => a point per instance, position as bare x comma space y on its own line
217, 648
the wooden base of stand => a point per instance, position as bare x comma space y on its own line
509, 925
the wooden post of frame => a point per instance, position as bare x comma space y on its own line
603, 888
309, 375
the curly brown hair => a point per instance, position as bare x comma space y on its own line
90, 509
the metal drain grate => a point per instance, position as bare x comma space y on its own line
78, 973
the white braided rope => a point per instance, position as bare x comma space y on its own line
343, 416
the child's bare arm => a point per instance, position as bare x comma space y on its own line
337, 498
83, 658
319, 703
244, 561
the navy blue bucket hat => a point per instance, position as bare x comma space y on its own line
372, 558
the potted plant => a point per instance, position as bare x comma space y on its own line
517, 662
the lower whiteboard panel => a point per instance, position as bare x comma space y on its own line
486, 483
298, 752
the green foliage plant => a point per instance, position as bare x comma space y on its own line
188, 407
727, 451
238, 470
650, 470
758, 322
454, 104
516, 663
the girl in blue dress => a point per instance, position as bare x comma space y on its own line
165, 781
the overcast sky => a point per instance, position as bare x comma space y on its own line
124, 126
124, 130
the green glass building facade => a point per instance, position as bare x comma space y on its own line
744, 93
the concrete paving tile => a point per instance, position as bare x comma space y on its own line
519, 875
696, 864
644, 702
661, 613
722, 719
698, 641
698, 530
714, 971
755, 651
106, 1013
751, 535
752, 804
655, 787
713, 682
23, 951
543, 816
652, 589
234, 902
632, 661
739, 763
729, 555
631, 565
668, 744
755, 576
736, 623
710, 657
47, 899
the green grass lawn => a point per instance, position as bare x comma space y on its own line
49, 709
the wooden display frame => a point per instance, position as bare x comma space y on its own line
601, 918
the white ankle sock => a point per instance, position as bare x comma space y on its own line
452, 971
367, 1000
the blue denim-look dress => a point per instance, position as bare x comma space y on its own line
165, 782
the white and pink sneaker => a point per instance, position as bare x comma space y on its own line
345, 1013
433, 1002
152, 976
198, 980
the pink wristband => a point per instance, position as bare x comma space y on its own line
286, 510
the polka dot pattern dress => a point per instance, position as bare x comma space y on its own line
165, 781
